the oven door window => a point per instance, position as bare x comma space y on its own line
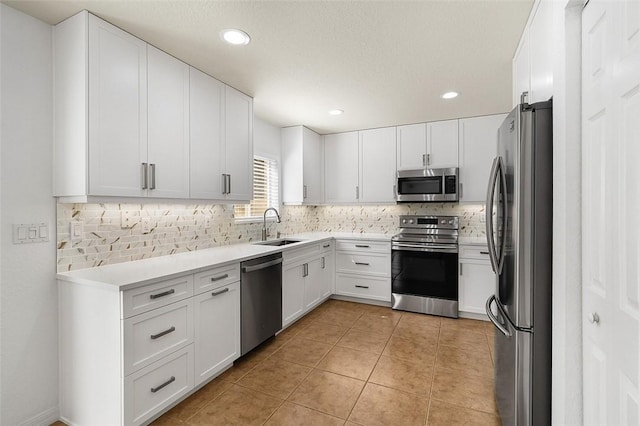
425, 274
420, 185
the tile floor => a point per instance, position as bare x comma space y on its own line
354, 364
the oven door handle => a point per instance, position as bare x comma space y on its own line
421, 247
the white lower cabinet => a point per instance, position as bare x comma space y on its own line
307, 280
363, 269
127, 356
476, 280
217, 330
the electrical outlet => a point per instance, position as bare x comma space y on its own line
146, 224
128, 219
75, 230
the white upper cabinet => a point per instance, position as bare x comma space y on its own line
168, 125
117, 102
442, 144
411, 146
123, 124
533, 61
206, 135
302, 166
478, 144
377, 165
341, 168
238, 147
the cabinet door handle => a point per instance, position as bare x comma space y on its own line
219, 292
224, 183
357, 192
362, 286
428, 159
168, 382
323, 262
221, 277
304, 191
362, 263
424, 159
144, 175
326, 246
228, 184
484, 252
305, 270
164, 293
362, 246
459, 190
162, 333
461, 269
152, 168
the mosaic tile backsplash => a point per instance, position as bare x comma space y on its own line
181, 228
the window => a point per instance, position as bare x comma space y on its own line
265, 189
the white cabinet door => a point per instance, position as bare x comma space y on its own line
312, 168
377, 165
292, 292
478, 142
206, 135
168, 125
217, 330
442, 144
313, 283
521, 69
238, 152
411, 146
341, 168
476, 284
541, 52
118, 111
328, 275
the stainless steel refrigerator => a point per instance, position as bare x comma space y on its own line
519, 235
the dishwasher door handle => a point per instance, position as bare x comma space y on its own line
260, 266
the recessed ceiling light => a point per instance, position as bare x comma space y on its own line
234, 36
449, 95
336, 112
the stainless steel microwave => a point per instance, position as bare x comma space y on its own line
427, 186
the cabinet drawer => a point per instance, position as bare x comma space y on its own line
152, 335
152, 296
290, 256
368, 263
474, 252
364, 246
217, 277
364, 287
157, 386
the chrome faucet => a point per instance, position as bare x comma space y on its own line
264, 222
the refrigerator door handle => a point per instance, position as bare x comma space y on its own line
489, 215
493, 318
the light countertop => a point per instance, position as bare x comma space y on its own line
123, 276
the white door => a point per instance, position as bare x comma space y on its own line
117, 111
239, 144
442, 144
168, 125
206, 135
378, 165
412, 146
610, 197
312, 170
341, 168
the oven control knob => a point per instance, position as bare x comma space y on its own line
451, 222
404, 221
410, 221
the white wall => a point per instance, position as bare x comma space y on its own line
28, 294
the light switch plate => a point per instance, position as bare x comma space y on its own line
25, 233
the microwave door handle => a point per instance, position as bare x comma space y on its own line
489, 215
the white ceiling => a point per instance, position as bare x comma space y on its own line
383, 63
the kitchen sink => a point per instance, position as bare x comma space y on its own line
277, 242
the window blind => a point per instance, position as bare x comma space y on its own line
265, 189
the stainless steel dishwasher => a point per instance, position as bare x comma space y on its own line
261, 300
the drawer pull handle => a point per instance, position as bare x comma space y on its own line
167, 383
219, 292
221, 277
484, 252
362, 286
362, 263
164, 293
362, 246
162, 333
326, 246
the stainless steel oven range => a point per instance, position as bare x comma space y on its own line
424, 265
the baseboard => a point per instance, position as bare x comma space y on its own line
45, 418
